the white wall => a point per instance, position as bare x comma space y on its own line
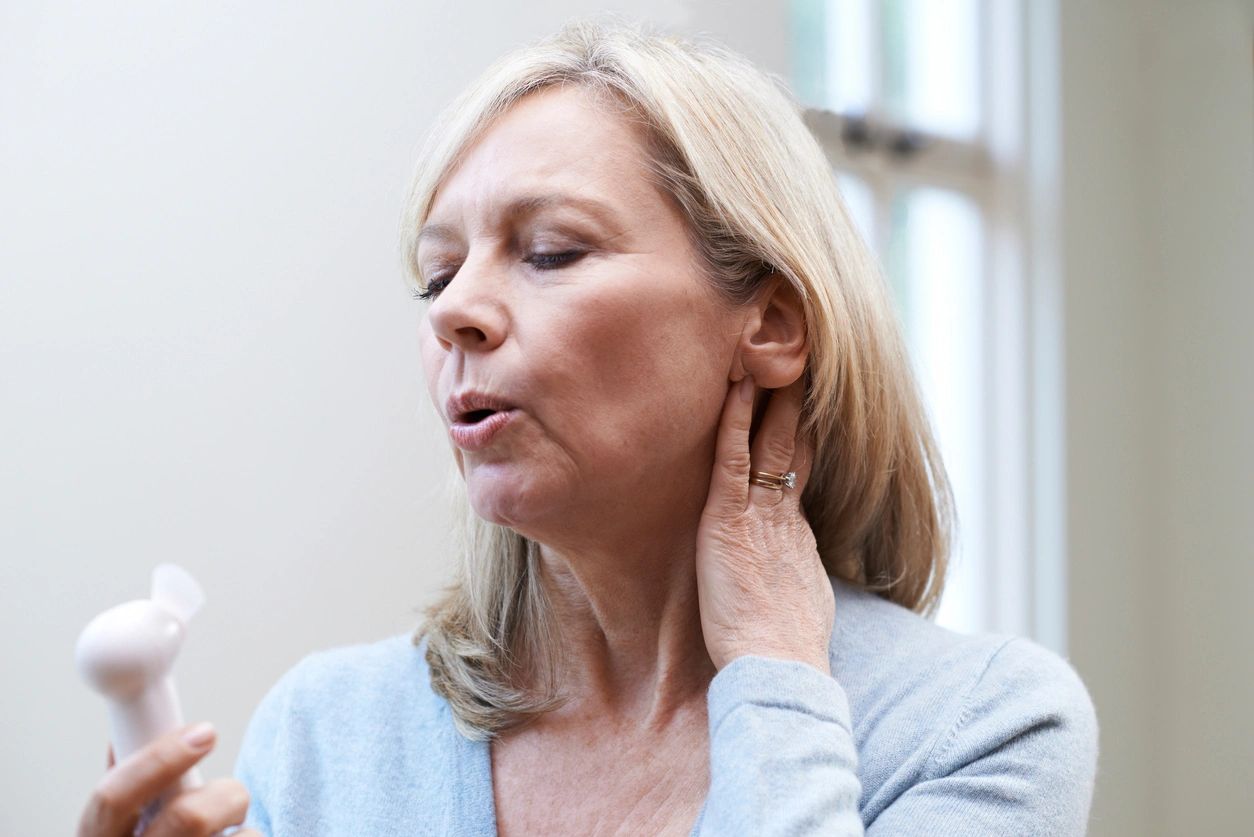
1157, 223
207, 354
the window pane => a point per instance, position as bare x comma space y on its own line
930, 64
847, 38
861, 204
831, 54
936, 258
809, 52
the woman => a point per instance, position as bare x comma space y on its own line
705, 509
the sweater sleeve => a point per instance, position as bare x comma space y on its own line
1018, 758
782, 754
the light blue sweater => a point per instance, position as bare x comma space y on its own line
918, 731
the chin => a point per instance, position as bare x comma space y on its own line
506, 499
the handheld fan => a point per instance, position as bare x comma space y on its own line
127, 654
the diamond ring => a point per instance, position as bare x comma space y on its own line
776, 481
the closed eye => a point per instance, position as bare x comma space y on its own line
551, 261
434, 286
540, 261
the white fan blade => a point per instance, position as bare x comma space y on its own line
175, 590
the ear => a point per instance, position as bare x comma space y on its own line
773, 347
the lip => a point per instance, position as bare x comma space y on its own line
473, 437
476, 435
467, 401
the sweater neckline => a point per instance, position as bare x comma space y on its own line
478, 797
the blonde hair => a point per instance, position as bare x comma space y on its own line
727, 142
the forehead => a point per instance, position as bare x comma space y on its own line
558, 140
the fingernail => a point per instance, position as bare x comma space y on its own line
746, 388
200, 736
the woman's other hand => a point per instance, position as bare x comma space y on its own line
128, 787
761, 586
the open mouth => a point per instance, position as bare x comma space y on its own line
478, 411
475, 416
475, 430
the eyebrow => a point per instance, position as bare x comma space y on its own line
525, 205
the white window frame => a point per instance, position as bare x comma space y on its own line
1008, 170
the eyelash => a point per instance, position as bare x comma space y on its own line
540, 261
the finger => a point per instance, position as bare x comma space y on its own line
110, 761
803, 461
774, 445
140, 777
204, 811
729, 482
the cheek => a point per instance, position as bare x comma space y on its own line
648, 364
433, 357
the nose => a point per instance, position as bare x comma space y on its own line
469, 313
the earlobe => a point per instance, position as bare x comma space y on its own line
773, 345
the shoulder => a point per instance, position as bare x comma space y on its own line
928, 702
887, 655
345, 732
392, 663
344, 683
339, 689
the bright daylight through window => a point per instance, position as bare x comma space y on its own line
921, 106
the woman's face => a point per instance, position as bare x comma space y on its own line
573, 302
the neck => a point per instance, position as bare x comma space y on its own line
627, 608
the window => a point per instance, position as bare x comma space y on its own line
922, 107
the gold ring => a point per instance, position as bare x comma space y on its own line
776, 481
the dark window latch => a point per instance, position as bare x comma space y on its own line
859, 135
